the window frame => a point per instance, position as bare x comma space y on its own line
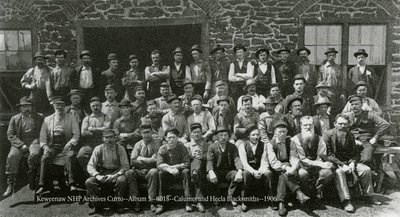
19, 26
345, 23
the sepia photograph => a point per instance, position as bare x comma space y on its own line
212, 108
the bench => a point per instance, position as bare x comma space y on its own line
385, 153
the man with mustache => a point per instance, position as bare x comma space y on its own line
308, 70
268, 119
257, 99
219, 65
264, 72
368, 104
139, 106
366, 126
293, 117
314, 173
60, 76
363, 72
174, 118
178, 72
204, 118
200, 73
286, 70
186, 98
223, 115
23, 133
221, 90
132, 78
153, 118
112, 76
245, 117
238, 73
155, 75
299, 84
76, 109
165, 92
111, 107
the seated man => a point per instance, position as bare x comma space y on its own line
223, 163
153, 118
139, 105
314, 173
368, 104
245, 117
162, 100
58, 135
221, 90
343, 152
366, 127
186, 98
255, 163
143, 161
173, 162
268, 119
292, 118
284, 164
174, 118
205, 118
23, 133
197, 148
323, 121
76, 108
107, 167
275, 93
256, 100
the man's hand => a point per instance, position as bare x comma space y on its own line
123, 135
290, 171
172, 170
238, 177
253, 62
257, 174
100, 178
372, 141
213, 177
358, 142
24, 148
90, 128
352, 166
67, 147
345, 168
111, 178
326, 165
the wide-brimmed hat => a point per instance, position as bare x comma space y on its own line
361, 51
222, 129
39, 54
322, 101
196, 47
270, 100
25, 101
84, 53
249, 129
239, 47
322, 85
283, 49
331, 50
249, 83
264, 49
217, 48
292, 99
360, 83
301, 49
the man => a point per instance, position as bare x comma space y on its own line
178, 71
366, 126
245, 117
76, 109
197, 148
255, 164
37, 81
91, 132
132, 78
174, 118
60, 76
143, 162
285, 71
221, 88
155, 75
173, 163
58, 135
268, 119
110, 107
332, 75
186, 98
363, 72
127, 127
314, 173
223, 164
308, 70
238, 73
219, 65
153, 118
200, 73
264, 72
323, 91
205, 118
84, 77
284, 163
112, 76
139, 105
292, 118
275, 93
343, 152
223, 115
23, 133
107, 167
50, 60
162, 100
257, 99
322, 120
299, 85
368, 104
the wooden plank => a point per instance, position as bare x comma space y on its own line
387, 150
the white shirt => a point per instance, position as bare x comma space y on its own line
258, 102
263, 67
86, 78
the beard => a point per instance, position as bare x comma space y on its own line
307, 136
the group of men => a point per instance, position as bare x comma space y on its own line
283, 127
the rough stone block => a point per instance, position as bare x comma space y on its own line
260, 28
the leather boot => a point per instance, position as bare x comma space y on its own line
301, 197
10, 185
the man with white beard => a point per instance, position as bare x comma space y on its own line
314, 173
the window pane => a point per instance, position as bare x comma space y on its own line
25, 40
12, 60
3, 60
2, 42
25, 59
320, 37
11, 40
374, 44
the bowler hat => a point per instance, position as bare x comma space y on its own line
177, 50
217, 48
39, 54
262, 50
57, 100
292, 99
331, 50
249, 83
301, 49
361, 52
249, 129
239, 47
172, 130
95, 99
132, 56
25, 101
196, 47
109, 87
220, 82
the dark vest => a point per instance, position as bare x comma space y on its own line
276, 150
239, 70
311, 148
100, 163
362, 124
254, 160
263, 79
176, 77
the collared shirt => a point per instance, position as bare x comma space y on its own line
206, 120
27, 123
60, 77
77, 113
173, 156
369, 104
171, 120
266, 123
162, 103
258, 102
94, 121
243, 119
197, 150
324, 123
86, 78
36, 76
147, 151
263, 67
112, 110
275, 157
295, 141
108, 159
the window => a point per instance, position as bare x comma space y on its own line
15, 49
320, 37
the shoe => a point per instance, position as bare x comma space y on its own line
195, 176
301, 197
8, 191
274, 205
201, 208
188, 208
234, 203
244, 207
153, 207
160, 209
348, 207
73, 188
373, 200
282, 209
136, 208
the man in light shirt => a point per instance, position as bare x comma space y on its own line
111, 107
205, 118
155, 74
368, 104
257, 100
60, 77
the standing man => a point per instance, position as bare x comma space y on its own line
178, 71
111, 107
107, 167
308, 70
366, 126
58, 135
257, 99
173, 162
37, 80
139, 105
238, 73
132, 78
245, 117
268, 119
200, 73
112, 76
285, 71
363, 72
204, 118
155, 75
174, 119
264, 72
76, 109
162, 100
299, 85
219, 66
60, 77
23, 133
